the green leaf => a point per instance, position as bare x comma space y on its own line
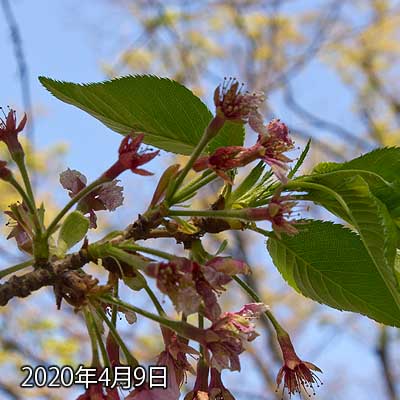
369, 216
246, 185
380, 169
72, 231
170, 115
301, 159
136, 283
384, 162
325, 167
330, 264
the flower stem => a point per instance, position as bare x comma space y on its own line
129, 357
147, 250
174, 325
155, 301
29, 203
254, 295
100, 342
262, 231
200, 324
193, 187
84, 192
15, 268
207, 213
114, 311
93, 337
211, 131
19, 160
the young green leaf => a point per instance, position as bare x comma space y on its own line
72, 231
353, 200
247, 184
330, 264
301, 159
379, 168
170, 115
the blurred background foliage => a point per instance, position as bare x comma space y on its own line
330, 70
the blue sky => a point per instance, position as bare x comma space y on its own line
59, 43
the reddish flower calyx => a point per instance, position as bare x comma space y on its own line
275, 143
5, 173
225, 339
130, 158
9, 131
296, 374
174, 355
272, 142
226, 158
277, 212
200, 389
174, 359
216, 389
234, 105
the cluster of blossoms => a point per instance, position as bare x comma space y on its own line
273, 139
192, 286
269, 147
277, 212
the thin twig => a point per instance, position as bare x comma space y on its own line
21, 64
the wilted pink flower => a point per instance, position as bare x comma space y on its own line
22, 226
130, 158
275, 144
174, 358
280, 131
175, 279
219, 271
272, 142
174, 355
256, 122
277, 212
106, 197
296, 374
9, 130
226, 158
236, 106
188, 284
224, 340
216, 389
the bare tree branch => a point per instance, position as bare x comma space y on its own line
383, 355
21, 64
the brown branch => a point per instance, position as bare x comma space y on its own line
12, 345
55, 272
10, 391
382, 352
324, 28
21, 63
24, 285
